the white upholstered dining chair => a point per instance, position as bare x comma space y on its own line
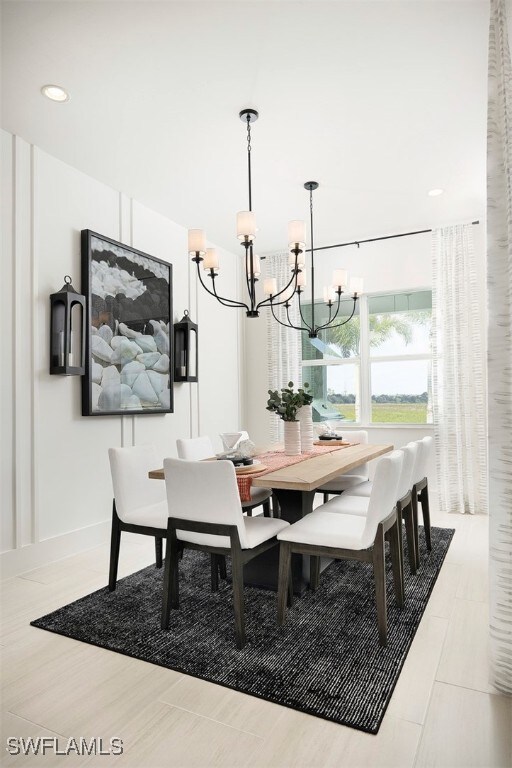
205, 514
420, 492
140, 504
199, 448
330, 533
341, 483
404, 504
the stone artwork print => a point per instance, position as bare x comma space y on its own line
129, 309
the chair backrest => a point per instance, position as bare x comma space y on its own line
405, 483
358, 436
204, 491
132, 487
195, 448
420, 468
384, 494
428, 447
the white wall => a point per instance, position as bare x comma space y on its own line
388, 265
56, 489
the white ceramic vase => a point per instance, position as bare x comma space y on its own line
305, 414
291, 438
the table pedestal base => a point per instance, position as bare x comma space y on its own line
263, 571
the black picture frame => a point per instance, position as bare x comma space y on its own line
128, 329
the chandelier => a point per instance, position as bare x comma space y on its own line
332, 294
274, 297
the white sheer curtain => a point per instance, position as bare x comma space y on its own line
283, 344
458, 373
499, 343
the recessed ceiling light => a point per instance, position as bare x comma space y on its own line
435, 192
55, 93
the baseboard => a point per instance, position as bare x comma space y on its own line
16, 561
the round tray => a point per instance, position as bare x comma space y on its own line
252, 469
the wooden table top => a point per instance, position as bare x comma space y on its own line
313, 472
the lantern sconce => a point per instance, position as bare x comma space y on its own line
67, 331
185, 349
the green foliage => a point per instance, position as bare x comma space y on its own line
286, 403
389, 413
346, 338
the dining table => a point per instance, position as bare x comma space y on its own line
294, 487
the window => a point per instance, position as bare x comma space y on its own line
376, 369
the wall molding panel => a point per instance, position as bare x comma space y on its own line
56, 489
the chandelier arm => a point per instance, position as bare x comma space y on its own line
270, 300
322, 327
215, 295
225, 301
296, 327
333, 318
247, 276
308, 327
288, 324
252, 292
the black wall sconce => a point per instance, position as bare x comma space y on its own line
67, 331
185, 349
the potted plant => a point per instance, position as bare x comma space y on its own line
286, 404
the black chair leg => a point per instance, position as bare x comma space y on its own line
214, 573
158, 551
237, 575
409, 532
285, 559
167, 586
266, 509
115, 544
379, 572
415, 527
326, 498
222, 566
425, 508
314, 572
396, 562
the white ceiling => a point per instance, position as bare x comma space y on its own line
378, 101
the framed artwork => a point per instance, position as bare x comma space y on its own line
129, 318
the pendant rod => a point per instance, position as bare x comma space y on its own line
376, 239
249, 176
312, 260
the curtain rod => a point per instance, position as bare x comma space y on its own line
375, 239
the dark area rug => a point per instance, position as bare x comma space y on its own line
325, 661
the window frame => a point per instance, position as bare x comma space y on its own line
365, 360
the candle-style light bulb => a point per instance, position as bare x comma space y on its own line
255, 263
329, 294
196, 242
297, 234
270, 286
300, 260
211, 260
301, 279
246, 225
356, 286
340, 278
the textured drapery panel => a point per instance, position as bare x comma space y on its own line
283, 344
499, 344
458, 373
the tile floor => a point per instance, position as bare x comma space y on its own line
443, 712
